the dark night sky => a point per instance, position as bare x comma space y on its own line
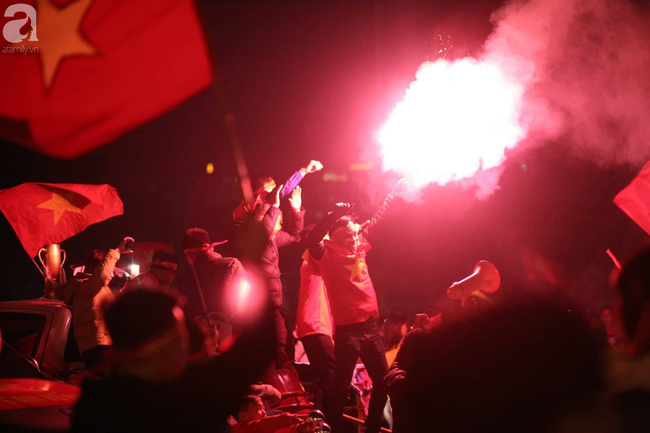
313, 80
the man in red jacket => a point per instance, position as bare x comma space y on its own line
353, 301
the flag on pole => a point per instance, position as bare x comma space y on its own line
78, 74
634, 199
49, 213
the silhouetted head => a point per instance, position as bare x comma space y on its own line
517, 367
149, 334
262, 184
164, 265
634, 284
195, 241
92, 260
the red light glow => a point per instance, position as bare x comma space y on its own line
243, 293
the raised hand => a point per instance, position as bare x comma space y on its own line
402, 185
275, 194
420, 320
312, 167
296, 199
122, 246
342, 209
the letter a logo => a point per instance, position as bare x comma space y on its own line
11, 30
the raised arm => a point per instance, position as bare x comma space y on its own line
378, 215
102, 274
292, 235
271, 216
291, 183
315, 240
403, 184
296, 223
295, 178
270, 219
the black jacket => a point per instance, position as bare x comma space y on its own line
270, 257
215, 273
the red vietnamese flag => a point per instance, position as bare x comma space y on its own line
634, 199
49, 213
102, 68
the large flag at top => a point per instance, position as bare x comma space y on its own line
49, 213
78, 74
634, 199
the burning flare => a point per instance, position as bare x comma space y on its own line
456, 119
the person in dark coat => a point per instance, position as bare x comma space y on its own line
270, 226
530, 364
214, 273
263, 185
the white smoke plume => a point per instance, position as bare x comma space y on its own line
585, 65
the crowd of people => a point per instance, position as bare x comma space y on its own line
186, 352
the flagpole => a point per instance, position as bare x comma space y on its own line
226, 116
614, 259
37, 267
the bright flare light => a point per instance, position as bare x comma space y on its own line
457, 118
243, 292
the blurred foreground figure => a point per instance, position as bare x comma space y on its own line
151, 388
86, 293
524, 367
630, 375
634, 284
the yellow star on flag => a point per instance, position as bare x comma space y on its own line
59, 204
59, 37
356, 269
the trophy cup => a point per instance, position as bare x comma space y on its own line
52, 271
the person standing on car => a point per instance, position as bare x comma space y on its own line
342, 263
86, 292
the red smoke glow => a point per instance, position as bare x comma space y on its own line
572, 71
